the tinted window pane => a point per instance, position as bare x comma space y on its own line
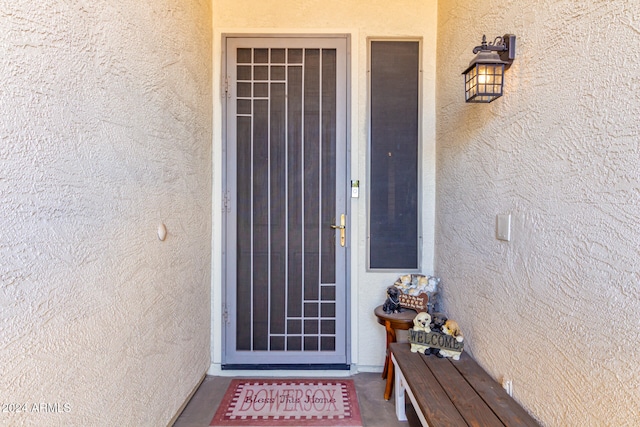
394, 155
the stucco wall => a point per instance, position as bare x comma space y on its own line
105, 133
360, 19
556, 309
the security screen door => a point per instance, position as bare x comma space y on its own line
285, 201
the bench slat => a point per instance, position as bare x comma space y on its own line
440, 411
466, 400
503, 405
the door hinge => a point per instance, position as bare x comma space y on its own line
226, 202
225, 314
225, 87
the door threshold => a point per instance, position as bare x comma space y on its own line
288, 367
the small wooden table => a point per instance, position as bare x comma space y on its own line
391, 322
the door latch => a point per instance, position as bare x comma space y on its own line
343, 229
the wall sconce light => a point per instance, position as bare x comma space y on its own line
484, 78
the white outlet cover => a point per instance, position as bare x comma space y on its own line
503, 227
508, 386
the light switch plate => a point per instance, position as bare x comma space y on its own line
503, 227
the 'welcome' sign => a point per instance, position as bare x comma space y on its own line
435, 340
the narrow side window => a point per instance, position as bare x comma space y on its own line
394, 155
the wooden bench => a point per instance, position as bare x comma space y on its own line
447, 392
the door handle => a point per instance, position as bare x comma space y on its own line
342, 227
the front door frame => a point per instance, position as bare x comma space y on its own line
226, 197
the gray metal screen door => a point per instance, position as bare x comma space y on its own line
285, 201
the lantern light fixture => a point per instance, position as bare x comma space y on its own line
484, 78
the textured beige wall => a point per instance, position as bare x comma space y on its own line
105, 133
360, 19
557, 309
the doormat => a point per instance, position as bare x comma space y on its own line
289, 402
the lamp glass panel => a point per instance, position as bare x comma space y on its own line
483, 82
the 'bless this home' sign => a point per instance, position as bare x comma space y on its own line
415, 302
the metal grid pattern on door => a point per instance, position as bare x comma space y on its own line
287, 299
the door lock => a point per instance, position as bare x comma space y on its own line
342, 227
